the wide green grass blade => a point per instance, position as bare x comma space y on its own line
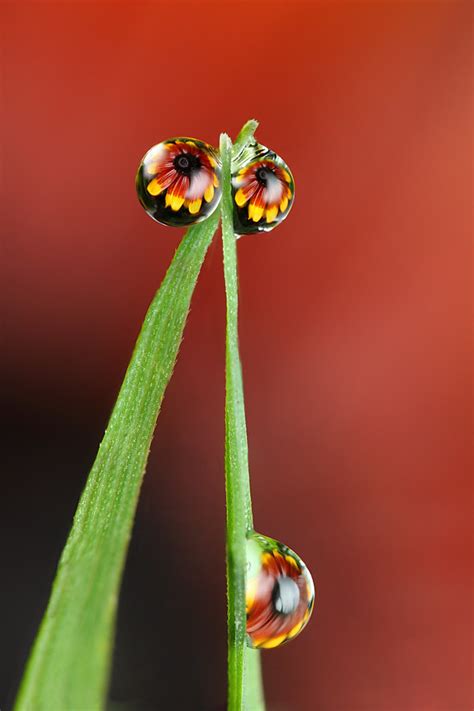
68, 668
244, 679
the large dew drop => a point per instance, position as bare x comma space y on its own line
279, 593
179, 181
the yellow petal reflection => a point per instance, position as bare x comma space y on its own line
209, 193
284, 204
174, 201
154, 187
271, 214
240, 198
255, 212
194, 206
274, 642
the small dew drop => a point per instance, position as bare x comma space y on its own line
263, 190
279, 593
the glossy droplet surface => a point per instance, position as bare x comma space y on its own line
279, 593
179, 181
263, 190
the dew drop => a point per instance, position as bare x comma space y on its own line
279, 593
178, 181
263, 189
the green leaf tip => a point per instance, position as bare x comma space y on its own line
245, 135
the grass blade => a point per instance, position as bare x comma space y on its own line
245, 135
238, 500
254, 699
68, 668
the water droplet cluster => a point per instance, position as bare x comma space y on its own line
179, 183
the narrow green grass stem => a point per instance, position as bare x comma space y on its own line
68, 668
238, 500
244, 136
254, 699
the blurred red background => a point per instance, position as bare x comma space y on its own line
354, 332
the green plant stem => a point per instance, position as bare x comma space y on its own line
69, 664
254, 694
238, 499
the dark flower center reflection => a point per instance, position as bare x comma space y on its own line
262, 175
186, 162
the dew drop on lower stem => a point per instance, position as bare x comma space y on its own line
279, 593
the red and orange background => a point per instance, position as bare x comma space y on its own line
354, 334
